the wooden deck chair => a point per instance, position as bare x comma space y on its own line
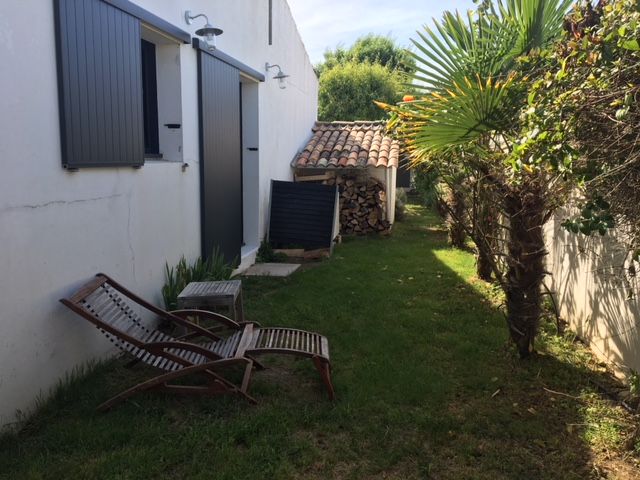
131, 324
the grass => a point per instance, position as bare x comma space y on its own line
428, 388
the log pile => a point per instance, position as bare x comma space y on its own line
362, 205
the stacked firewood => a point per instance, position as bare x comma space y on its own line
362, 205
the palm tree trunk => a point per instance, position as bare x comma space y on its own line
455, 217
484, 231
526, 251
484, 267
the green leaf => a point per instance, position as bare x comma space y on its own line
465, 66
586, 213
622, 113
631, 45
601, 203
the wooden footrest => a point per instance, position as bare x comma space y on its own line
289, 341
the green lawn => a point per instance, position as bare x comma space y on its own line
427, 386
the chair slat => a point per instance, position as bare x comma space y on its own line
133, 317
92, 297
233, 341
191, 357
97, 303
105, 310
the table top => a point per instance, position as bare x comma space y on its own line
220, 289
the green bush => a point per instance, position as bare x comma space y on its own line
211, 269
370, 48
348, 91
267, 255
427, 184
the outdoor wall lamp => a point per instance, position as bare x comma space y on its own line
209, 32
280, 76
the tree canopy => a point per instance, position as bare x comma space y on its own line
352, 79
348, 91
370, 49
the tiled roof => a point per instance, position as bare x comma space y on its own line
348, 145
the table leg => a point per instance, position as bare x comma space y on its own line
239, 308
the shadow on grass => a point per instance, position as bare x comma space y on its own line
427, 388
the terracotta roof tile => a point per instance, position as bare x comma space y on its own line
348, 145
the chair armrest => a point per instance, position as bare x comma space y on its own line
214, 330
250, 322
196, 330
160, 347
207, 315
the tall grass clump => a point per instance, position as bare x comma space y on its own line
178, 277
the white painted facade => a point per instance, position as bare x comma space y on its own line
58, 228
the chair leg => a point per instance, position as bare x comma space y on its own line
161, 381
258, 365
239, 308
122, 396
324, 369
242, 391
247, 377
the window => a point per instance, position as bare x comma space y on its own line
161, 94
118, 84
150, 100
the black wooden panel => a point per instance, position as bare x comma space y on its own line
99, 85
220, 156
302, 214
403, 174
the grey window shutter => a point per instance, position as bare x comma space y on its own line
99, 85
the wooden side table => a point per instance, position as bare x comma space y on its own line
204, 295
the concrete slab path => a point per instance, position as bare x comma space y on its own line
272, 269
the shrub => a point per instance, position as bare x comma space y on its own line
178, 277
267, 255
347, 91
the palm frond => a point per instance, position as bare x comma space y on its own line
537, 21
465, 68
461, 115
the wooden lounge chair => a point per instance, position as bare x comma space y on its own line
131, 324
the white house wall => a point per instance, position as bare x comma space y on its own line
58, 228
286, 116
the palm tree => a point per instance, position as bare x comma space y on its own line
473, 71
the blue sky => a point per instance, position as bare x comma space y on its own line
325, 24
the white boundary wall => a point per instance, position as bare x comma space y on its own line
592, 295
